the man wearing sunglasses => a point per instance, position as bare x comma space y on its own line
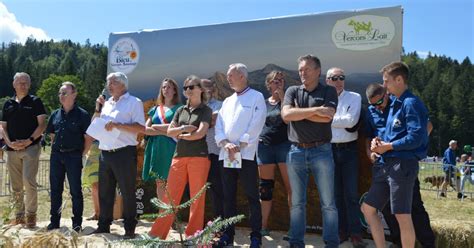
400, 146
379, 106
67, 128
346, 161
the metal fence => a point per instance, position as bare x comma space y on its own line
42, 178
431, 177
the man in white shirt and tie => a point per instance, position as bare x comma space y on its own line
345, 153
238, 126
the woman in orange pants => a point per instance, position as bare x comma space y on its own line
190, 162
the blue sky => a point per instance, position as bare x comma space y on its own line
438, 26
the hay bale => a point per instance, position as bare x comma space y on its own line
453, 233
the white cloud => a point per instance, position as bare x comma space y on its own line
13, 31
422, 54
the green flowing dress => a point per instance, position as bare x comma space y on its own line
159, 149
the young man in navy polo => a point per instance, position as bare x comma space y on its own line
403, 144
377, 112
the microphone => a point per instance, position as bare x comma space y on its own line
104, 96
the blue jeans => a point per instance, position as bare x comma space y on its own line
319, 161
66, 164
346, 178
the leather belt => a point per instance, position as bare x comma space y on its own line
116, 149
310, 145
344, 145
69, 150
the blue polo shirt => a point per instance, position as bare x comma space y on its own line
406, 127
377, 120
68, 129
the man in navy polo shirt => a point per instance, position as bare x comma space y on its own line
403, 144
23, 122
67, 127
379, 107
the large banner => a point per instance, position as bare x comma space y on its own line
359, 41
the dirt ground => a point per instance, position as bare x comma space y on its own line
20, 234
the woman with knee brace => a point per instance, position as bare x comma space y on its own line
273, 147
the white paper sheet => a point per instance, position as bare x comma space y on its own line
97, 130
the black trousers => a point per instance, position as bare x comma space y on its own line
248, 176
216, 190
119, 167
421, 221
61, 165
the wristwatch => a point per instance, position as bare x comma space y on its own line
31, 139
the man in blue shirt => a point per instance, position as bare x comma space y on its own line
449, 168
377, 113
67, 127
403, 144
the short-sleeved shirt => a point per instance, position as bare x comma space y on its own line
306, 131
406, 128
127, 110
275, 130
185, 116
22, 117
68, 128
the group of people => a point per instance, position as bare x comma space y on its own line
309, 128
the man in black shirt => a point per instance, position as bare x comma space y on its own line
309, 109
23, 122
67, 127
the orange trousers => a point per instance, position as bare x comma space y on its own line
183, 170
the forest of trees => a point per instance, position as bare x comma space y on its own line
445, 85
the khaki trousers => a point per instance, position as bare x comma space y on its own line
23, 168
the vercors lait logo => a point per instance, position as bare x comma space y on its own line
124, 55
363, 32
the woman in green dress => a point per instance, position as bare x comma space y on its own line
160, 148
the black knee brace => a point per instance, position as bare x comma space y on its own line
266, 189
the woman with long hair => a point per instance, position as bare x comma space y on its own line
160, 147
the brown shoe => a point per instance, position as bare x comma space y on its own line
93, 217
19, 220
30, 220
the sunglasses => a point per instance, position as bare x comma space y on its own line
379, 102
276, 81
335, 78
191, 87
63, 94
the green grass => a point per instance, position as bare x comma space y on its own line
435, 169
